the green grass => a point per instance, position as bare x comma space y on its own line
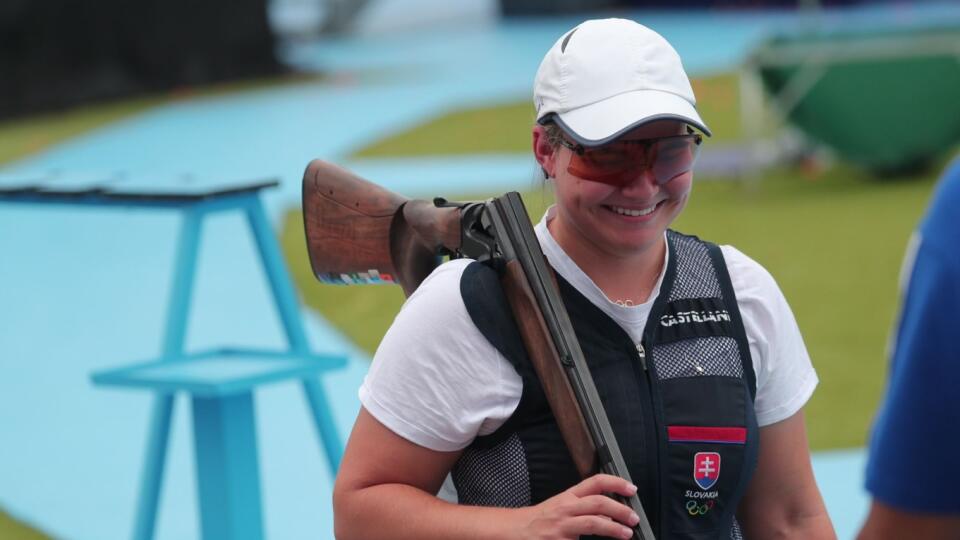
835, 246
501, 128
505, 127
11, 529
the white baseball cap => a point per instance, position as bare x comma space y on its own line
608, 76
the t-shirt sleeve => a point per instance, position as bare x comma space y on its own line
435, 380
912, 457
785, 376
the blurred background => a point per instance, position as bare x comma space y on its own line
832, 121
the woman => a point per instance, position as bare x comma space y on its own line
705, 399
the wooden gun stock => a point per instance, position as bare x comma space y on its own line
358, 232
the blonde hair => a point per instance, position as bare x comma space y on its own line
553, 134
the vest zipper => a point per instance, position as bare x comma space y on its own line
658, 452
643, 355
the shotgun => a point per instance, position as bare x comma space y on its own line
358, 232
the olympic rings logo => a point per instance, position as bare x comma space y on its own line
695, 509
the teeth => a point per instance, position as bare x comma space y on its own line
634, 213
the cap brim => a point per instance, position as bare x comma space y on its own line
604, 121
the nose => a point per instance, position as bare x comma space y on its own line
641, 182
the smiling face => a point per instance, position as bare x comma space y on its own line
595, 219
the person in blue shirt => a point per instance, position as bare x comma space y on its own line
914, 465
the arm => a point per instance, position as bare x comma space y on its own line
386, 484
782, 500
384, 480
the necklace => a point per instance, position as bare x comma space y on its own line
624, 303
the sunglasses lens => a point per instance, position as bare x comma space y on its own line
609, 164
673, 157
619, 163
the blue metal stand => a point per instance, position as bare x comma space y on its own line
288, 309
220, 382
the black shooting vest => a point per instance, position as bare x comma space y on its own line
680, 403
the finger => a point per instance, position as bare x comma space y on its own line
603, 483
605, 507
596, 526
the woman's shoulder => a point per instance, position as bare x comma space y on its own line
444, 278
434, 379
749, 277
438, 296
758, 294
452, 296
785, 375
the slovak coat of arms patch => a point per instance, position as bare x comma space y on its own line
706, 469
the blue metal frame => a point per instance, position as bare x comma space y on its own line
177, 317
178, 311
217, 521
222, 418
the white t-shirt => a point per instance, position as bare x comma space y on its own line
436, 380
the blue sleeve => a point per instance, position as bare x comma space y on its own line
913, 462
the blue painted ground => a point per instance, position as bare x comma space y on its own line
83, 290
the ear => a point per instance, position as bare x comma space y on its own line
546, 155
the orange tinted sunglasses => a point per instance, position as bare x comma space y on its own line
619, 162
